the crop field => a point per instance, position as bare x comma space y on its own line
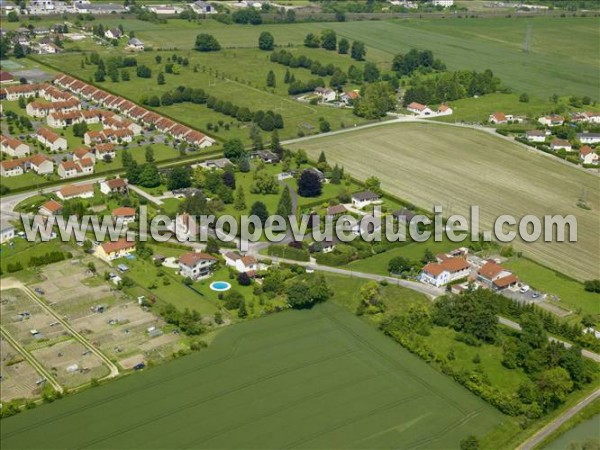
429, 164
311, 379
565, 63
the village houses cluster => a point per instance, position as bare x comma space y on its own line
121, 120
585, 143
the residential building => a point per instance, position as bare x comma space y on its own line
71, 169
499, 118
124, 215
220, 163
135, 44
6, 77
443, 3
51, 208
72, 191
12, 168
587, 155
364, 198
444, 110
266, 156
325, 94
348, 98
40, 164
552, 121
246, 264
493, 276
109, 251
403, 215
196, 265
7, 231
588, 138
336, 210
13, 147
104, 151
202, 7
535, 136
560, 144
83, 153
444, 272
51, 140
419, 109
114, 186
113, 33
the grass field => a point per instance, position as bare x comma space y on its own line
563, 56
236, 75
311, 379
455, 167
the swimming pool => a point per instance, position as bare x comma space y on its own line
220, 286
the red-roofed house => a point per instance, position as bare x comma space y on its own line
52, 140
124, 215
587, 155
494, 276
417, 108
71, 169
82, 153
196, 265
13, 147
109, 251
114, 186
444, 272
499, 118
444, 110
51, 208
76, 191
104, 151
6, 77
552, 121
12, 168
560, 144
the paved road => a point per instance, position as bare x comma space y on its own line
14, 284
31, 360
538, 437
151, 198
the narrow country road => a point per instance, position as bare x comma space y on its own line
14, 284
542, 434
31, 360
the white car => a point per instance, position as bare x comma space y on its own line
524, 289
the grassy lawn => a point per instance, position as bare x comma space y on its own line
261, 382
236, 75
22, 251
413, 251
570, 292
467, 167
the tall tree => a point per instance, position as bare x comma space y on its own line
259, 209
271, 79
309, 184
285, 206
266, 41
343, 46
240, 199
358, 51
328, 40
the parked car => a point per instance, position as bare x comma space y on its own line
524, 289
39, 291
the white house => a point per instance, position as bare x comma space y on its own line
71, 169
109, 251
326, 94
499, 118
202, 7
444, 110
135, 44
587, 155
113, 33
114, 186
7, 231
13, 147
40, 164
588, 138
560, 144
196, 265
443, 3
71, 191
52, 140
12, 168
241, 263
418, 108
552, 121
364, 198
535, 136
50, 208
449, 270
124, 215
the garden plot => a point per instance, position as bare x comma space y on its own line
28, 322
71, 363
18, 378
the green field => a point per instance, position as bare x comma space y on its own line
236, 75
312, 379
429, 164
563, 55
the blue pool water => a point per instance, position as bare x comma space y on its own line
220, 286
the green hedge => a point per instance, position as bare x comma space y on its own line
282, 251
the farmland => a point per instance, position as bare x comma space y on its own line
259, 385
453, 167
557, 62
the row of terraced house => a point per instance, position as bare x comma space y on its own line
135, 112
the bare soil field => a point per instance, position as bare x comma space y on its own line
18, 377
429, 164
